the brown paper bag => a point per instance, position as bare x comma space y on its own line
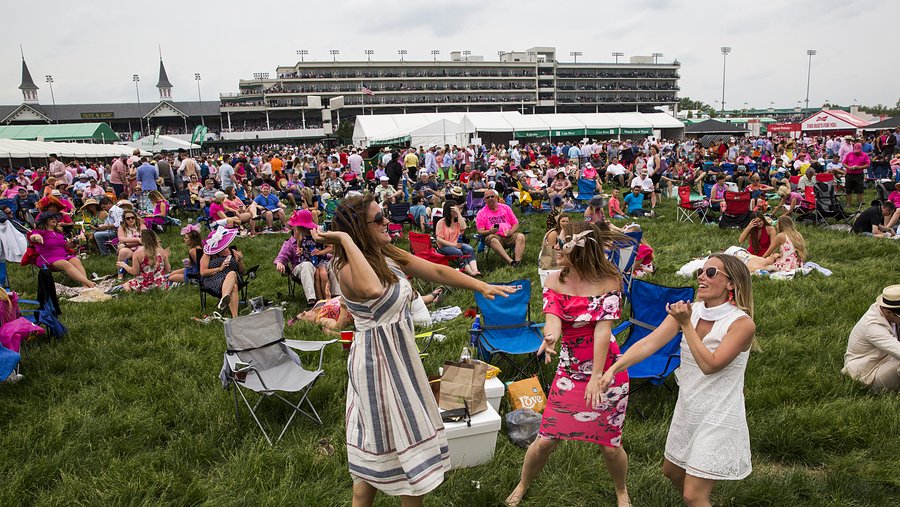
527, 393
463, 382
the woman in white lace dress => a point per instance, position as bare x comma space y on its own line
708, 439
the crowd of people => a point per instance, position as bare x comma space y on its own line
338, 211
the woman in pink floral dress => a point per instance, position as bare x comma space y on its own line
580, 303
149, 265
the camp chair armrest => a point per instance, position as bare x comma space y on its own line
310, 346
232, 360
622, 327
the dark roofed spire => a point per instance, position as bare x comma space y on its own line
27, 82
163, 78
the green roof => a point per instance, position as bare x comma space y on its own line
101, 132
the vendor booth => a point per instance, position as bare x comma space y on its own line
833, 122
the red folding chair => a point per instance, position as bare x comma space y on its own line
421, 246
687, 209
795, 180
824, 177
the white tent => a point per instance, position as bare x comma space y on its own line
156, 144
11, 148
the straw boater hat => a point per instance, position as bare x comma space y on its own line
219, 240
457, 191
890, 297
89, 202
125, 203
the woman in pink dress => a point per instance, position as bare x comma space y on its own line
52, 249
160, 210
580, 303
149, 265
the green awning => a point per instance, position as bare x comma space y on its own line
568, 132
100, 132
602, 132
531, 134
392, 140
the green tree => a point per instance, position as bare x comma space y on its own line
344, 131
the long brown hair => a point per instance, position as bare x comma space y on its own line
754, 235
350, 217
150, 242
589, 261
742, 295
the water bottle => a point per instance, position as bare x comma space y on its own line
476, 330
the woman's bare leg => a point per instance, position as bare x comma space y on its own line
617, 464
74, 270
363, 494
535, 458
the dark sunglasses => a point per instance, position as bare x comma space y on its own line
379, 218
711, 272
130, 218
490, 197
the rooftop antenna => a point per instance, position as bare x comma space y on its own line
22, 51
160, 51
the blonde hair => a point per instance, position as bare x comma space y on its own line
742, 295
150, 242
589, 262
785, 225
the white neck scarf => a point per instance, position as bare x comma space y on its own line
715, 313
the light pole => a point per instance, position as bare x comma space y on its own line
334, 53
656, 57
302, 53
434, 53
52, 97
617, 54
575, 55
466, 54
369, 53
199, 98
136, 80
500, 55
401, 52
725, 51
811, 53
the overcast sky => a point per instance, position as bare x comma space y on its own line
92, 48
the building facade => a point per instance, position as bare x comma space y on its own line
531, 81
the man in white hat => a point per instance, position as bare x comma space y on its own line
385, 193
873, 351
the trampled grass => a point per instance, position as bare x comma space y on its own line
127, 409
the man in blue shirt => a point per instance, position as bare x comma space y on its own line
147, 175
269, 206
635, 202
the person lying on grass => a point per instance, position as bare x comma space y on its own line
332, 316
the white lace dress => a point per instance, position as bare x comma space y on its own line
708, 436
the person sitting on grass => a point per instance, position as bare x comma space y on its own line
269, 206
787, 251
594, 211
615, 211
500, 228
448, 233
759, 232
234, 208
790, 201
54, 251
190, 235
758, 191
871, 222
419, 213
157, 218
218, 216
304, 258
129, 235
149, 265
219, 268
873, 349
634, 203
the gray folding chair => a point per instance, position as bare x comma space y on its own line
260, 360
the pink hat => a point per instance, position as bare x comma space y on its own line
857, 146
219, 240
302, 218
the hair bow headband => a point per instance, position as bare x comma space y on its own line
187, 229
577, 240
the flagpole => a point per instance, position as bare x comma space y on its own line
363, 92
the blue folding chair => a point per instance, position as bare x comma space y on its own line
507, 330
622, 255
587, 189
648, 310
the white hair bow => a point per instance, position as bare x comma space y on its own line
577, 240
216, 237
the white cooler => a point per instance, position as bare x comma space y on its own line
494, 389
475, 445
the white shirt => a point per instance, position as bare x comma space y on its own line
616, 169
356, 162
646, 184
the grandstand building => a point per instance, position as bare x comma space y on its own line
531, 81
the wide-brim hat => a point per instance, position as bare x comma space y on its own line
88, 202
457, 191
46, 215
302, 218
47, 201
889, 297
125, 203
219, 240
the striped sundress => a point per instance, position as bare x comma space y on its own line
395, 437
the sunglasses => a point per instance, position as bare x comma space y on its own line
378, 219
130, 218
711, 272
490, 197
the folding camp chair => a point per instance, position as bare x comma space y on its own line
648, 310
688, 209
421, 246
623, 254
243, 283
398, 213
827, 203
587, 189
260, 360
737, 210
507, 330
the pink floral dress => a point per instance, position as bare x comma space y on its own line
567, 416
149, 277
788, 259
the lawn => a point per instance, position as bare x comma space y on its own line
127, 409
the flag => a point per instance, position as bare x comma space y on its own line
199, 135
135, 136
367, 91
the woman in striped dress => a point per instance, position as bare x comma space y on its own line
395, 438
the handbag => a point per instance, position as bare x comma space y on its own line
462, 386
527, 393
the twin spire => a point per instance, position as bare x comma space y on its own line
30, 89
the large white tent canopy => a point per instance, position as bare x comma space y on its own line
12, 148
457, 128
156, 144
